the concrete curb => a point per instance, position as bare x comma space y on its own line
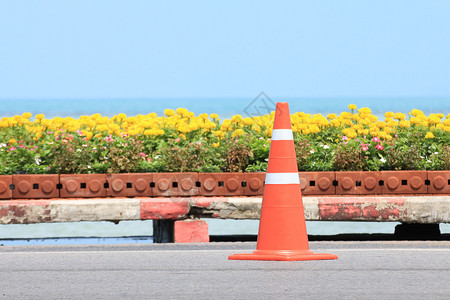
407, 209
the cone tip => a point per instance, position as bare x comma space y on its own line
282, 105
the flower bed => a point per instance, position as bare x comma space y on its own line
179, 141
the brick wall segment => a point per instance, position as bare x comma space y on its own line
404, 182
5, 186
317, 183
358, 183
83, 185
254, 183
42, 186
175, 184
439, 182
130, 185
221, 184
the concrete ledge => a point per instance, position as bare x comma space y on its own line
406, 209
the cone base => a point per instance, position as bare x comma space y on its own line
280, 256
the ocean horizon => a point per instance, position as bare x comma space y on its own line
224, 107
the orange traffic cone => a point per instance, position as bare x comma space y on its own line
282, 228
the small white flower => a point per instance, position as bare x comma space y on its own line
79, 150
383, 160
311, 151
436, 152
38, 161
326, 147
89, 167
2, 145
157, 156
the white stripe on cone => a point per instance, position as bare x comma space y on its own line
282, 135
282, 178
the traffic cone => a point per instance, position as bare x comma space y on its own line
282, 228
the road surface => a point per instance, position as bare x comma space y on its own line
364, 270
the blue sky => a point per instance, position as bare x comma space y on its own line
147, 49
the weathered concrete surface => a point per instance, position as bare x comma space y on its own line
407, 209
163, 208
24, 212
114, 209
191, 231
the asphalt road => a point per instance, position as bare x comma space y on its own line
364, 270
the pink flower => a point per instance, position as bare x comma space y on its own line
344, 138
379, 147
365, 147
80, 132
12, 148
177, 140
142, 154
375, 139
149, 159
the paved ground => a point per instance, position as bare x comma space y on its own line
364, 270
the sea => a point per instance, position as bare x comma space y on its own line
261, 103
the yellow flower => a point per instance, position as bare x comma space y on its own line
169, 112
440, 126
39, 116
247, 121
182, 111
381, 124
331, 116
12, 141
388, 114
399, 116
236, 118
429, 135
405, 124
26, 115
238, 132
214, 116
416, 112
314, 129
433, 119
365, 110
352, 106
215, 145
102, 127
